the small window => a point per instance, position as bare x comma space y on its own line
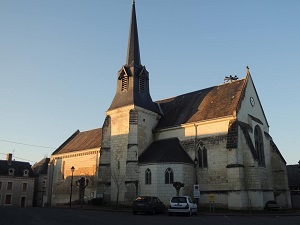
169, 176
148, 176
8, 200
24, 187
11, 171
63, 170
9, 185
26, 173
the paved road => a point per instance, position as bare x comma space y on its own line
65, 216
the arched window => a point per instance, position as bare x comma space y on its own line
202, 155
148, 176
169, 176
259, 145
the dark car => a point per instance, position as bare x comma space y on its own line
148, 204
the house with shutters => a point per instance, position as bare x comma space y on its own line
216, 138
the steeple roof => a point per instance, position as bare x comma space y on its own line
133, 51
133, 78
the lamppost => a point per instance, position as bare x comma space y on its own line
196, 186
43, 192
196, 164
72, 170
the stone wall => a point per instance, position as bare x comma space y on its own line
85, 164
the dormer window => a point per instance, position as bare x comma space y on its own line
124, 83
142, 83
11, 171
26, 173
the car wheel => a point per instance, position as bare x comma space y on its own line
190, 213
153, 211
134, 212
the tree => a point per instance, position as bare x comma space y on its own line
178, 185
118, 180
82, 183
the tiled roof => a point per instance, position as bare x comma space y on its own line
18, 167
165, 151
81, 141
41, 167
210, 103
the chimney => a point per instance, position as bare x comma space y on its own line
9, 158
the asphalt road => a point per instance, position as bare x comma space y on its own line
66, 216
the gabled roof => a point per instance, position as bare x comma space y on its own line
81, 141
210, 103
41, 167
165, 151
18, 167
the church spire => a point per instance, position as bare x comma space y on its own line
133, 78
133, 51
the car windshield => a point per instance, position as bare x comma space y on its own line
178, 200
141, 198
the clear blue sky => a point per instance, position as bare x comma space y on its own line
59, 61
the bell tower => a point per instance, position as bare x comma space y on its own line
133, 78
127, 130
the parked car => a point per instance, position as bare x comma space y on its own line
148, 204
182, 204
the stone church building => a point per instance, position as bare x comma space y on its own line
217, 138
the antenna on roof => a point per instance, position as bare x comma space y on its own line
230, 79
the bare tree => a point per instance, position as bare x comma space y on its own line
118, 179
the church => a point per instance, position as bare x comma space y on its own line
216, 139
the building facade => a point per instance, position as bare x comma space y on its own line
16, 183
40, 171
82, 152
216, 138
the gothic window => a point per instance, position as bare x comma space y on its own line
169, 176
202, 155
259, 145
124, 82
148, 176
63, 170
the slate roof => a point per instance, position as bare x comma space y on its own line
293, 175
41, 167
165, 151
18, 166
209, 103
81, 141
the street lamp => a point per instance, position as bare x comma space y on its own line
72, 170
195, 164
